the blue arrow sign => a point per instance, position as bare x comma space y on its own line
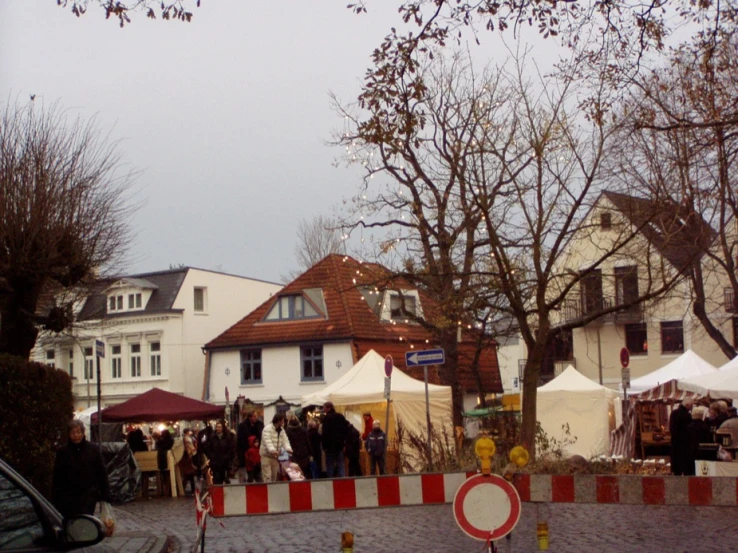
425, 357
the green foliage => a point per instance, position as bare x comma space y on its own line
35, 406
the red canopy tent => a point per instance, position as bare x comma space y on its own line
159, 405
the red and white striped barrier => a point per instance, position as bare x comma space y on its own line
627, 489
435, 488
339, 493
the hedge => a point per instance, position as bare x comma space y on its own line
36, 405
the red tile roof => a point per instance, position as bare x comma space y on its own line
351, 318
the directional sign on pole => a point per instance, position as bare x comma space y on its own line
425, 357
487, 507
99, 348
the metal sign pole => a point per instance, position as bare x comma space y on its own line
427, 417
99, 411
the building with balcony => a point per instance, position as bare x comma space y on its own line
664, 245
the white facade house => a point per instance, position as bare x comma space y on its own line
317, 327
153, 326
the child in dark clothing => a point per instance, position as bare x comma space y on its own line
253, 460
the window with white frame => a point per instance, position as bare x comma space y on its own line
71, 363
311, 359
251, 366
115, 303
672, 337
135, 360
134, 301
200, 299
89, 364
116, 362
155, 358
50, 358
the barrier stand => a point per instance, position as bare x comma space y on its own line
347, 542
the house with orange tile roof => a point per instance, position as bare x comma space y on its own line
316, 328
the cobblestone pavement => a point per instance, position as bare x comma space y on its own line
580, 528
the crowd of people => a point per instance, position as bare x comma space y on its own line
324, 446
692, 426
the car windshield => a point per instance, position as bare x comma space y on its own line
20, 526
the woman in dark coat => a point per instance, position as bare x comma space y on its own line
136, 440
80, 479
353, 451
220, 450
298, 438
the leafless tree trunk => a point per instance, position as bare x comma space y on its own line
491, 178
65, 218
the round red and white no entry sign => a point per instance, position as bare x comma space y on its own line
487, 507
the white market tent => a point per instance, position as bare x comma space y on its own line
722, 383
587, 407
361, 390
687, 365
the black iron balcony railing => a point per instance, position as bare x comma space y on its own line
577, 308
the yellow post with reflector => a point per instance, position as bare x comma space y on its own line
485, 448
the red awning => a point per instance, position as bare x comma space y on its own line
158, 405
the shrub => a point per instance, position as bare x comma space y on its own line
36, 404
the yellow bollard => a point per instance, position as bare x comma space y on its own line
542, 534
347, 542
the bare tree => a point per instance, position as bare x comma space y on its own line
65, 218
316, 239
684, 145
491, 180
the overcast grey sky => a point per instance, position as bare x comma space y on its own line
225, 117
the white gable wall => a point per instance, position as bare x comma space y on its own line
227, 298
281, 372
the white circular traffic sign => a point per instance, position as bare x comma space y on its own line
487, 507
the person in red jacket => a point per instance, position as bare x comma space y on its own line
252, 462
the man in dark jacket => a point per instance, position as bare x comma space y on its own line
80, 479
678, 422
376, 447
335, 428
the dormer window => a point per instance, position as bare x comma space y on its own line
396, 307
292, 308
605, 221
115, 303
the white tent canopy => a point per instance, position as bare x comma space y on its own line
361, 389
687, 365
722, 383
588, 408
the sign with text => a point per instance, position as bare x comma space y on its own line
387, 387
388, 364
425, 357
99, 348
